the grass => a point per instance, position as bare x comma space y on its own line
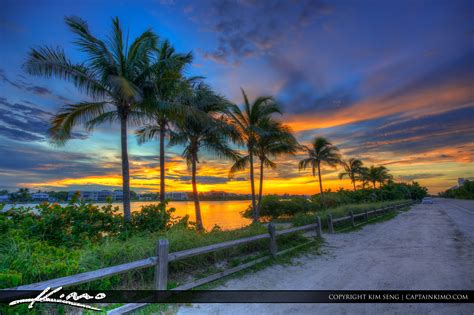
338, 212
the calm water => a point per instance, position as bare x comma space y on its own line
226, 214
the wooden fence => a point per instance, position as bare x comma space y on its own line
163, 257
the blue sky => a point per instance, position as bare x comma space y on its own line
389, 82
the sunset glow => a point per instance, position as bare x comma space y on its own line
393, 93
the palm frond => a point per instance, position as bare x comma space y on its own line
49, 62
239, 165
99, 57
303, 164
73, 115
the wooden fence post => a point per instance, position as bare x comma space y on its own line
352, 218
330, 226
366, 215
319, 228
161, 268
273, 243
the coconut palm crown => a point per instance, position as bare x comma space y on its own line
162, 97
320, 152
208, 133
275, 141
247, 121
111, 76
352, 169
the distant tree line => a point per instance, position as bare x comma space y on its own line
465, 191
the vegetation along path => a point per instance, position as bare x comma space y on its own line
429, 247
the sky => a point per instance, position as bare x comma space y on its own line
389, 82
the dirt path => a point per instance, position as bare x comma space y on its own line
428, 247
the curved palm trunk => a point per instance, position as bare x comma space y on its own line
373, 183
252, 185
321, 185
354, 183
260, 189
125, 170
197, 206
162, 163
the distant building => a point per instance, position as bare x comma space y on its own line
105, 195
460, 183
71, 194
39, 196
84, 195
90, 195
4, 198
177, 196
118, 195
215, 194
144, 198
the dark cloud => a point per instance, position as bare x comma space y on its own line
18, 135
423, 134
32, 163
22, 122
40, 91
249, 28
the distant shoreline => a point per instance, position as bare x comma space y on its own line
105, 202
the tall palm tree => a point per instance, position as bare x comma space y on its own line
352, 169
277, 140
321, 151
111, 76
196, 132
247, 123
163, 108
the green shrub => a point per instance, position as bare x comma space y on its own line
466, 191
275, 207
10, 278
78, 223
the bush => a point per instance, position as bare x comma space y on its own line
274, 207
83, 222
466, 191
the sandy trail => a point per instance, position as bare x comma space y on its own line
428, 247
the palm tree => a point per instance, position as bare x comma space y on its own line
321, 151
277, 140
247, 124
112, 76
352, 169
377, 174
384, 175
168, 82
196, 132
364, 176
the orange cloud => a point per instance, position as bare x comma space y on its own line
428, 101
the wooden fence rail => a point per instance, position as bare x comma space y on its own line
163, 258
